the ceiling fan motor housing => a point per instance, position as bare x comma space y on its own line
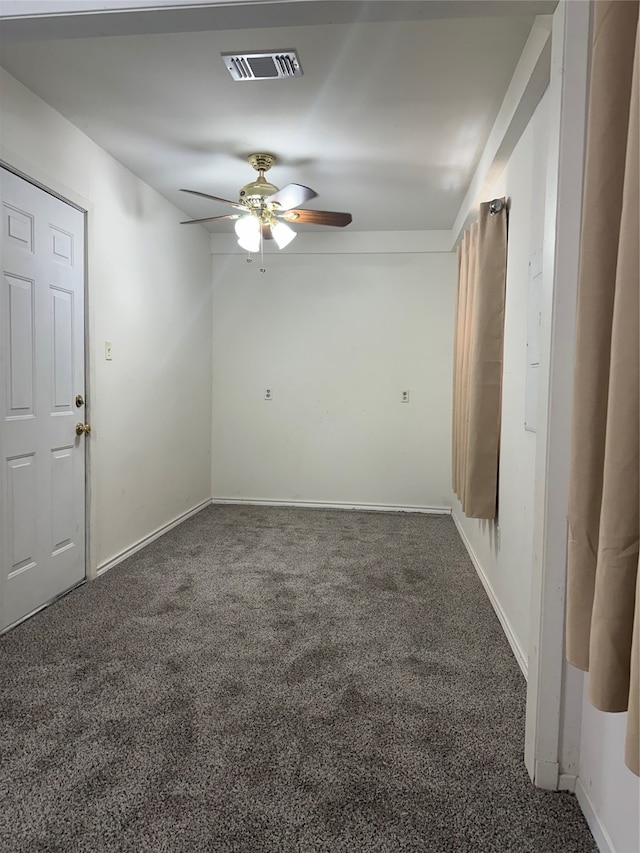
257, 190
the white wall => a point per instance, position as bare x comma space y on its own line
149, 282
337, 337
609, 792
503, 550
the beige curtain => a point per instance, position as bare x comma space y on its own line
604, 504
477, 371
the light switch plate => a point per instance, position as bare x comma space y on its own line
108, 351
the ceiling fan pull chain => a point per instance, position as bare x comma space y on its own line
262, 267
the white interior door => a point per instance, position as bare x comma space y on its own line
42, 481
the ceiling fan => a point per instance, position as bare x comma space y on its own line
264, 210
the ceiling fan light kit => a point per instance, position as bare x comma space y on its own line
264, 210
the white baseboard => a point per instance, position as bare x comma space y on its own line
428, 510
142, 543
600, 834
546, 775
517, 649
104, 567
567, 782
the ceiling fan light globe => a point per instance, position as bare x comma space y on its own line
248, 230
249, 245
247, 226
282, 234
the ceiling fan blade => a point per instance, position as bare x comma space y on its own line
235, 204
318, 217
266, 231
292, 195
210, 219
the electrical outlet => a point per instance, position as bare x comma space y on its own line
108, 351
268, 394
405, 397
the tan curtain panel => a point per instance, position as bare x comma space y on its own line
602, 632
477, 369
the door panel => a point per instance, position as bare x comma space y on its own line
61, 246
22, 528
62, 484
19, 228
18, 346
42, 490
62, 321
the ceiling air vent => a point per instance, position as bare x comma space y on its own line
263, 66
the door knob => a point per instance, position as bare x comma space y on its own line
82, 428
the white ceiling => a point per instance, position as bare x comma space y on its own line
396, 102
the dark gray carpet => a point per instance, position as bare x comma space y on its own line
269, 680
